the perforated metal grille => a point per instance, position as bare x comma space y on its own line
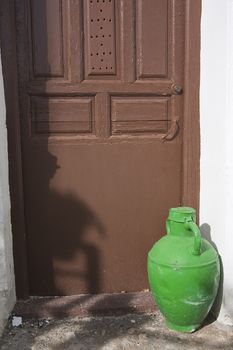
102, 37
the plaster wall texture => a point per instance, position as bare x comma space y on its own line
216, 119
7, 284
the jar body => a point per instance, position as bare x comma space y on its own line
183, 272
184, 294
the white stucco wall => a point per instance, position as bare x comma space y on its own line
216, 118
7, 286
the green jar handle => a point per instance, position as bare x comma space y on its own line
190, 225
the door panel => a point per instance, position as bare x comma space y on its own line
152, 27
97, 101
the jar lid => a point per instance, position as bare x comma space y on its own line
182, 214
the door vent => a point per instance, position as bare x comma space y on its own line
101, 37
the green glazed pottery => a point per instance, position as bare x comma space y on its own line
184, 272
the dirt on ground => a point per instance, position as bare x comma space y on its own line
112, 333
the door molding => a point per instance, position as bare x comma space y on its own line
191, 127
10, 77
191, 137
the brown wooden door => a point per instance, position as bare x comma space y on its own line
101, 129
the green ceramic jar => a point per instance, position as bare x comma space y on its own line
183, 271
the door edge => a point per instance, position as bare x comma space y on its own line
10, 78
191, 127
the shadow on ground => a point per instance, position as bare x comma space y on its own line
113, 333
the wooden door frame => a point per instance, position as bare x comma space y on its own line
191, 129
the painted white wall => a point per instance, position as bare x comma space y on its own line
7, 284
216, 118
